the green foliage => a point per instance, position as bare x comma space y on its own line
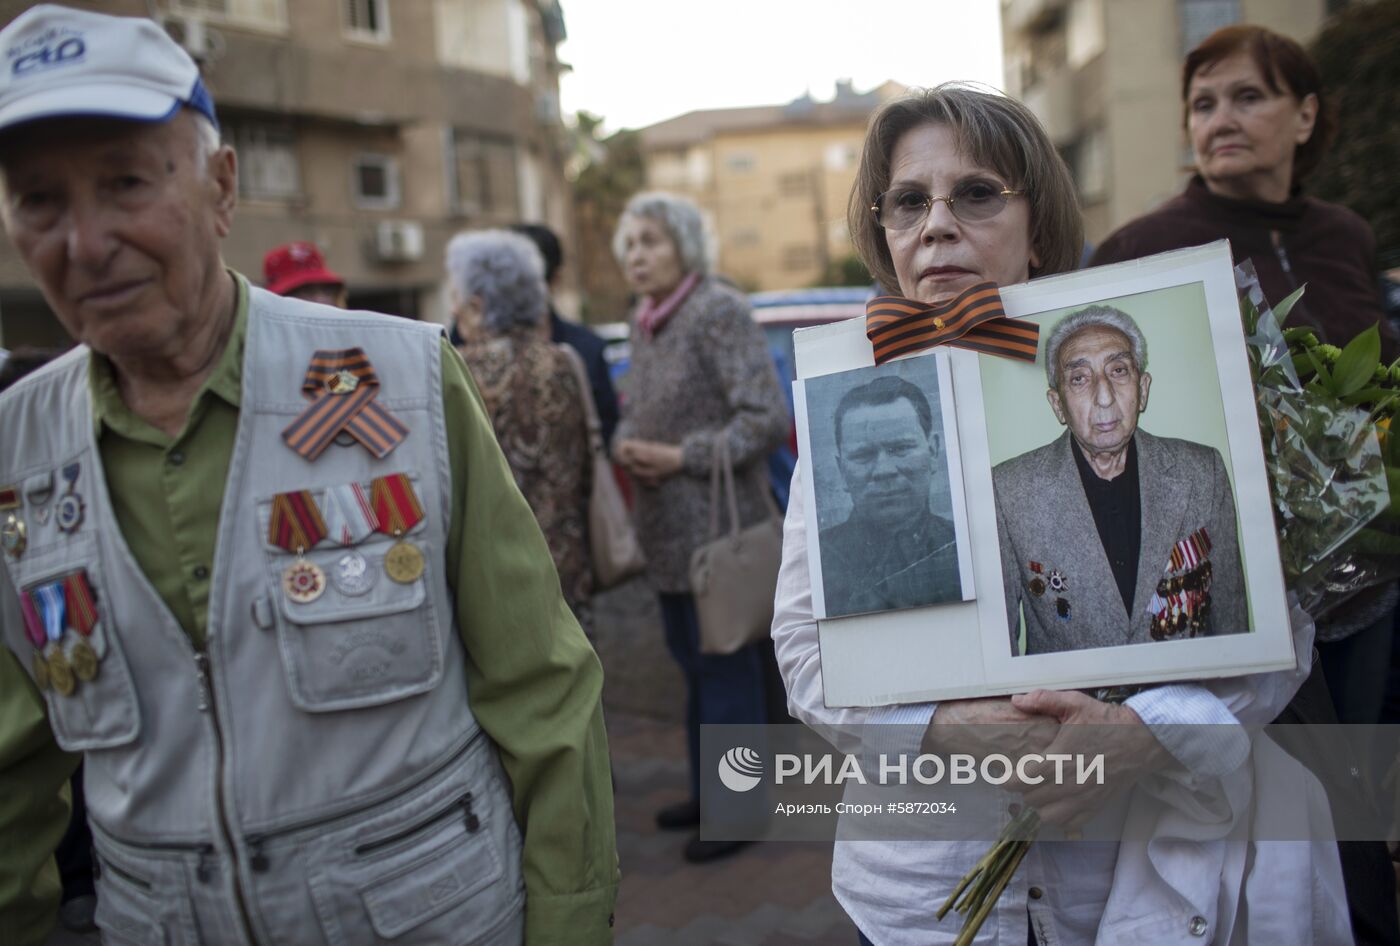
1358, 55
847, 271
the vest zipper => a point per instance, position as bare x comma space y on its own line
208, 705
255, 842
205, 851
464, 802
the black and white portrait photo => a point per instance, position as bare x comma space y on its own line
888, 537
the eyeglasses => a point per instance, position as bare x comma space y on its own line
971, 202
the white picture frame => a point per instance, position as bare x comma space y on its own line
963, 649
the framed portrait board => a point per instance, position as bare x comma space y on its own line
1074, 578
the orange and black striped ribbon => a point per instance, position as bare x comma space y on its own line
82, 604
396, 505
974, 320
355, 411
296, 524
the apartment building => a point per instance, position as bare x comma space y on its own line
1104, 76
377, 129
772, 180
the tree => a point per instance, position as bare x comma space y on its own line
1358, 55
846, 271
608, 171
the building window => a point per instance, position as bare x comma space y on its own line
483, 174
740, 162
841, 156
798, 257
1200, 18
367, 20
266, 14
375, 182
795, 184
267, 160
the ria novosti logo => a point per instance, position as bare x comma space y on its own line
740, 769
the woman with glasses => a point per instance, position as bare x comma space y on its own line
959, 186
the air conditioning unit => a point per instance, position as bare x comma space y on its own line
193, 35
398, 241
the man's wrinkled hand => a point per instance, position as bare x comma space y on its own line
987, 727
1087, 728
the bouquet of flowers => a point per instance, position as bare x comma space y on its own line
1324, 418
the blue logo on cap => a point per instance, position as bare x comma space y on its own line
51, 48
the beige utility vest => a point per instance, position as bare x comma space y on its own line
316, 775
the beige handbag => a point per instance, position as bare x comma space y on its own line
734, 576
612, 539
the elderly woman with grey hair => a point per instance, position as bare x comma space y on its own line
701, 375
501, 306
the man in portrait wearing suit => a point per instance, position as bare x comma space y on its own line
1108, 534
893, 551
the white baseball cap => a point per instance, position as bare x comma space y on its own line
56, 61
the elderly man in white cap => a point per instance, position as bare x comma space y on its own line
263, 563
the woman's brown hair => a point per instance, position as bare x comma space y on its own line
994, 131
1286, 68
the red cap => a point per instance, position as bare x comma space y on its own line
294, 265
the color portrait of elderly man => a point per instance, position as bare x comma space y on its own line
1108, 534
894, 550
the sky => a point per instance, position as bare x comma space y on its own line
638, 62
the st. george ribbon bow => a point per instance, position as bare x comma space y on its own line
341, 386
974, 320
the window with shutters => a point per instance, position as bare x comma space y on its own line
367, 20
483, 174
375, 182
268, 168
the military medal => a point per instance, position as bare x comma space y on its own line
70, 505
81, 606
350, 517
1057, 581
342, 386
397, 510
84, 660
40, 668
296, 525
13, 536
49, 602
61, 673
1037, 586
1062, 609
352, 575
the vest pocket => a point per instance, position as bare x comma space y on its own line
444, 870
142, 904
100, 713
348, 652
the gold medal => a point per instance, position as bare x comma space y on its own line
303, 581
61, 674
41, 670
13, 536
404, 562
84, 660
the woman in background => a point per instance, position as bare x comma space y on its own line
700, 374
501, 305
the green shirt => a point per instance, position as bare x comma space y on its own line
536, 690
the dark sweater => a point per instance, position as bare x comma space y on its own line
1302, 240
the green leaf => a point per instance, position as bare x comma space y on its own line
1367, 396
1286, 306
1357, 362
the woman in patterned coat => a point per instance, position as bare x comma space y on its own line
700, 373
501, 305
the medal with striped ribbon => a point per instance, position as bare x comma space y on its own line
398, 510
296, 525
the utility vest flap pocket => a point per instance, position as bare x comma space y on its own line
83, 674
